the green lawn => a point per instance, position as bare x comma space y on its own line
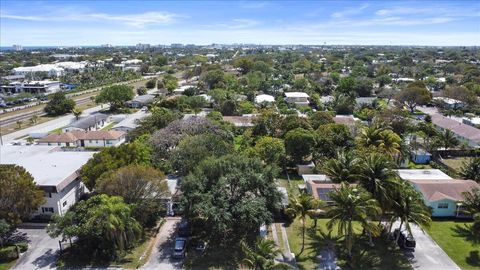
7, 265
109, 126
384, 255
457, 241
455, 163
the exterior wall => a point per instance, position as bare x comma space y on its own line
73, 144
298, 101
63, 200
104, 143
451, 211
421, 158
122, 128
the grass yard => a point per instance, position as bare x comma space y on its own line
7, 265
457, 241
455, 163
384, 255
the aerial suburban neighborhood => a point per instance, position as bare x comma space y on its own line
239, 139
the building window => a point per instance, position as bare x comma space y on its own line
59, 144
47, 209
90, 141
442, 206
64, 203
96, 141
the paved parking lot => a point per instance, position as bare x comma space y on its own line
41, 253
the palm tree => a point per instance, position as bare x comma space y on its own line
408, 206
471, 201
34, 119
475, 227
19, 124
382, 139
370, 136
262, 255
352, 204
447, 140
343, 168
77, 112
471, 169
302, 206
376, 175
390, 143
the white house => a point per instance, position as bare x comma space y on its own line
54, 171
463, 132
297, 98
264, 99
98, 138
91, 122
130, 122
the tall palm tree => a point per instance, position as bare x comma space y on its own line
471, 201
476, 224
343, 168
370, 136
301, 207
262, 255
390, 143
408, 206
352, 204
376, 175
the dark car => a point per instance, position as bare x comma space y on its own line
180, 248
184, 229
405, 240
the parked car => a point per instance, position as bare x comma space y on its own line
405, 240
184, 229
180, 248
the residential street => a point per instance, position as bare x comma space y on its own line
41, 253
428, 255
161, 253
50, 125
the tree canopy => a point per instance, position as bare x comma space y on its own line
59, 104
115, 95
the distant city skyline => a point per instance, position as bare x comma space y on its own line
83, 23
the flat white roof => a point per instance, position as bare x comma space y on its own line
423, 174
296, 94
48, 165
264, 98
315, 177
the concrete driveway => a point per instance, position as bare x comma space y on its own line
428, 255
41, 253
161, 253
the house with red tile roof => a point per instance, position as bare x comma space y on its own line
97, 138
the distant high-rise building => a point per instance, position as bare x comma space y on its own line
141, 46
106, 46
17, 47
176, 45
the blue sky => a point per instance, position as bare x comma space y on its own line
261, 22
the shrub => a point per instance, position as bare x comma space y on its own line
8, 253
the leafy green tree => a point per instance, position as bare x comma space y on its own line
342, 168
343, 103
196, 103
77, 113
215, 79
19, 196
115, 95
270, 150
262, 255
170, 82
193, 149
142, 187
158, 119
330, 137
102, 224
112, 158
299, 144
246, 107
4, 229
414, 95
471, 202
320, 118
150, 84
142, 91
352, 204
471, 169
59, 104
230, 197
301, 207
244, 64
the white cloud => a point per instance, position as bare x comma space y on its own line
349, 12
137, 20
243, 23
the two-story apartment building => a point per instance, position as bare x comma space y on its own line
53, 170
297, 98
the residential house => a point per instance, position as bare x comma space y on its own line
97, 138
465, 133
91, 122
140, 101
54, 171
420, 156
260, 99
33, 87
245, 120
297, 98
130, 122
449, 103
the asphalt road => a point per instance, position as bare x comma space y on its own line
41, 253
161, 253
